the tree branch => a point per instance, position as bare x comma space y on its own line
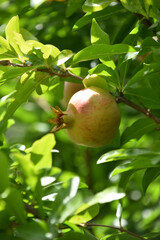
121, 229
146, 112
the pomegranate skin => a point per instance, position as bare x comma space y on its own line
70, 89
92, 117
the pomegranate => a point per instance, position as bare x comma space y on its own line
92, 117
70, 88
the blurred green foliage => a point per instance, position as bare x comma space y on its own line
50, 187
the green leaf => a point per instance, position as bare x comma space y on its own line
107, 72
107, 195
141, 77
134, 6
86, 215
100, 51
137, 130
78, 236
79, 71
4, 180
95, 80
72, 6
50, 50
29, 172
15, 205
146, 95
95, 5
66, 202
24, 46
27, 35
21, 96
124, 180
14, 72
4, 46
137, 164
101, 15
127, 154
64, 56
98, 36
119, 236
150, 175
32, 230
41, 154
11, 29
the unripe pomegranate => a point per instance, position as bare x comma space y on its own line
70, 89
92, 117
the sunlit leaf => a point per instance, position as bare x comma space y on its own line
64, 56
11, 29
101, 15
41, 154
127, 154
66, 201
107, 195
95, 5
100, 51
137, 164
85, 216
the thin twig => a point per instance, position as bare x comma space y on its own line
116, 228
59, 72
64, 74
146, 112
31, 209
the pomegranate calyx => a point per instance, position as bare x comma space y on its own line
58, 120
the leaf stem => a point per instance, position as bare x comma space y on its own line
121, 229
146, 112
